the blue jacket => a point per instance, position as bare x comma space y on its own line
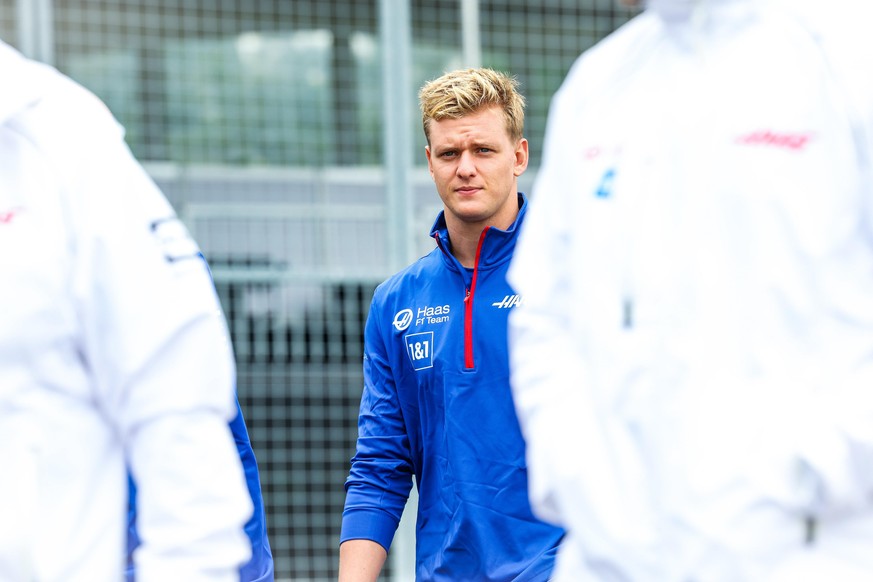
437, 405
260, 567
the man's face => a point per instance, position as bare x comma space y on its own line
475, 165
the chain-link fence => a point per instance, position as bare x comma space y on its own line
273, 128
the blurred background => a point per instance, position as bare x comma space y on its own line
286, 133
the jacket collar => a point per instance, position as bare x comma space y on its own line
697, 25
498, 245
678, 11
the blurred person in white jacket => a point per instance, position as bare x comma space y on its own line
692, 363
113, 351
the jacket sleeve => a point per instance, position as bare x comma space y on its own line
381, 474
544, 367
260, 566
156, 343
567, 442
835, 431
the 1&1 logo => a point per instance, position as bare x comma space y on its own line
402, 319
419, 346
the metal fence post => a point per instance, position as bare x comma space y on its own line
395, 33
35, 29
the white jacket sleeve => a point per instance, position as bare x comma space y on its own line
545, 369
837, 438
157, 346
572, 453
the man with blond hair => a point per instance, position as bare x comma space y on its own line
436, 403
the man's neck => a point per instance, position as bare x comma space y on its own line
464, 236
465, 242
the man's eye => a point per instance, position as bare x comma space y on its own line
484, 150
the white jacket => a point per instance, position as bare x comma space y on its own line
693, 361
113, 350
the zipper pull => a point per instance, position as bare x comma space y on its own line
466, 294
627, 313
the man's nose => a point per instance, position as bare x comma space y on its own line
466, 164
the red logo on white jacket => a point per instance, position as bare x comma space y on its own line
7, 216
792, 141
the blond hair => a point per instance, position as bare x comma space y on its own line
459, 93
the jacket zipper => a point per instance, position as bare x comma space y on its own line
469, 362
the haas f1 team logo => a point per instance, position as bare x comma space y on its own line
508, 302
426, 315
402, 319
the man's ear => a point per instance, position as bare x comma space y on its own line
522, 156
429, 163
